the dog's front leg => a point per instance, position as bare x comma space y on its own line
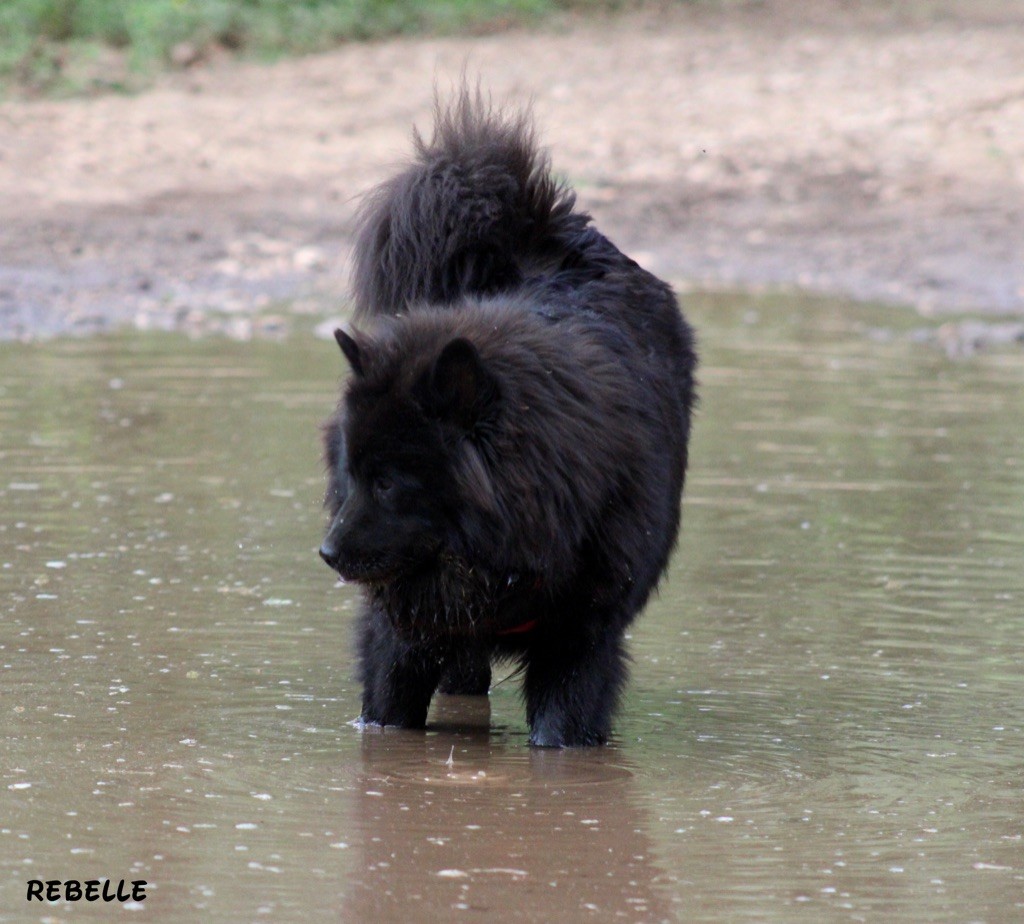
399, 676
572, 686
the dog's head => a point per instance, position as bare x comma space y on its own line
400, 457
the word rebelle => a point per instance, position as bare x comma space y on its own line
53, 890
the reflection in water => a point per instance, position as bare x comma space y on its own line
825, 718
464, 822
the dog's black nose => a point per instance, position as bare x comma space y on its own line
330, 555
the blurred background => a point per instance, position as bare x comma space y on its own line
195, 164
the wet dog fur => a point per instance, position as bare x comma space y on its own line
506, 462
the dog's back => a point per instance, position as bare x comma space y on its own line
478, 212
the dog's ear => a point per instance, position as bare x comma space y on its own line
351, 349
461, 388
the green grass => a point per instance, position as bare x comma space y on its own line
61, 46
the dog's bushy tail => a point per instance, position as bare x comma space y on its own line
476, 211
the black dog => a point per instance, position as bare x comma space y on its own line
507, 460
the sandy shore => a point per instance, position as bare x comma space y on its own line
835, 147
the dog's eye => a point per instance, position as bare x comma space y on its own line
383, 488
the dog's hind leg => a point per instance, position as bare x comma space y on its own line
467, 673
571, 688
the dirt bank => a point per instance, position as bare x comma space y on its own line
839, 147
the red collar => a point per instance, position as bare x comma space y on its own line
530, 624
521, 628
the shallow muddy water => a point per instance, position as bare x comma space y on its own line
824, 721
